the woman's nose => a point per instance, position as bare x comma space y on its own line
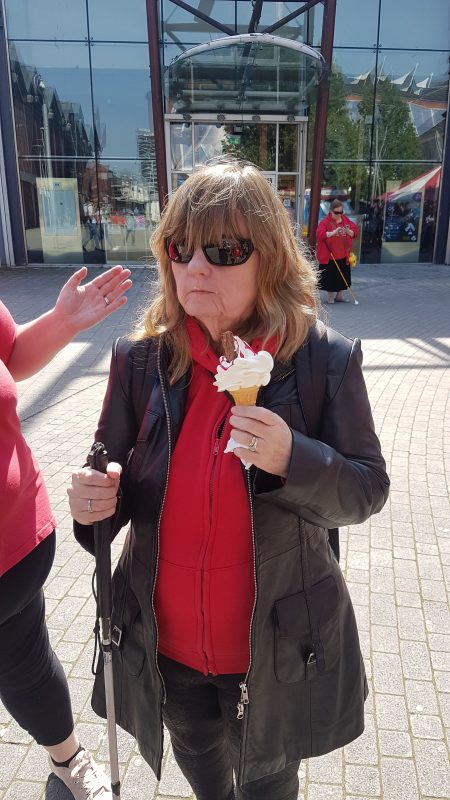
198, 263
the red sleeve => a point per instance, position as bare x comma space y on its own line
321, 233
8, 332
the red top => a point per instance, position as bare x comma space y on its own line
340, 245
205, 584
26, 517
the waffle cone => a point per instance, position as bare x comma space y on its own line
245, 396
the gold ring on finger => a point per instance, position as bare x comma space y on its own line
253, 444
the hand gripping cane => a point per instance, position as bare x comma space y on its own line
98, 460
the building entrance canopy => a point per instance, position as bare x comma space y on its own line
252, 73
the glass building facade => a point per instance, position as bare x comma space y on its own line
84, 138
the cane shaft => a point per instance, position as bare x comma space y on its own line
98, 460
111, 722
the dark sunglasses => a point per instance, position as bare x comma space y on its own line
225, 254
337, 210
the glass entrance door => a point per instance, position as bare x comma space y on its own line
274, 145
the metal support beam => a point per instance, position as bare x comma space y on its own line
321, 119
293, 15
157, 100
256, 16
204, 17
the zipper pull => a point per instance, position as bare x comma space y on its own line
244, 701
216, 447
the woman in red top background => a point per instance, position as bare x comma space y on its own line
335, 235
33, 686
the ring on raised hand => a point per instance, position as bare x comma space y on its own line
90, 506
105, 298
253, 445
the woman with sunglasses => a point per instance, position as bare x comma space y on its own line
232, 620
335, 235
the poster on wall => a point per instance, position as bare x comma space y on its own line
59, 218
402, 218
402, 223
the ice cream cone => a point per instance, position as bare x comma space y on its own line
246, 396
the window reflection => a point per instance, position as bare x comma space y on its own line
51, 96
180, 25
47, 19
114, 20
356, 24
412, 90
252, 142
181, 145
413, 23
287, 148
88, 212
209, 142
122, 102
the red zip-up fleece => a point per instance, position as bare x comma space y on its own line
205, 584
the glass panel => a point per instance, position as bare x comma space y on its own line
181, 145
52, 99
177, 179
252, 142
117, 21
209, 141
130, 209
242, 78
412, 92
356, 24
287, 189
406, 198
315, 25
52, 198
347, 182
271, 14
350, 106
46, 19
414, 23
82, 212
182, 26
122, 102
287, 148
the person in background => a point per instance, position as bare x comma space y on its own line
335, 234
33, 686
237, 627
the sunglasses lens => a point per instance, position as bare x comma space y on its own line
229, 254
176, 252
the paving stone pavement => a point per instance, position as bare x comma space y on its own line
397, 564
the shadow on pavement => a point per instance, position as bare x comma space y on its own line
56, 790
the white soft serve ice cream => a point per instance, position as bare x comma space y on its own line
247, 368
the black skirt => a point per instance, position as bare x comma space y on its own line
330, 279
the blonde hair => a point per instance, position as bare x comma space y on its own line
206, 207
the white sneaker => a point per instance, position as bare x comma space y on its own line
84, 778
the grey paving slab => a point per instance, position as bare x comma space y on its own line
397, 564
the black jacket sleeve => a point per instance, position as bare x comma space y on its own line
339, 478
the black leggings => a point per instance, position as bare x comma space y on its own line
201, 715
33, 686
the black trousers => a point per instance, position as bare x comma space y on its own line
33, 686
201, 715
